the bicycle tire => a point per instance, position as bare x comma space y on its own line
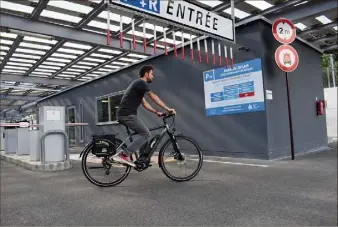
162, 165
92, 180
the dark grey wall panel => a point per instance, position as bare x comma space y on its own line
180, 84
305, 84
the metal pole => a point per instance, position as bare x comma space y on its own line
233, 17
290, 118
332, 70
328, 76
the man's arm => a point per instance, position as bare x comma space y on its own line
148, 106
157, 100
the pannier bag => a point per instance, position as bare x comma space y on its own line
104, 145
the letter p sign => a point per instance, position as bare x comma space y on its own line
209, 75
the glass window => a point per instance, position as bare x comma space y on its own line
114, 103
102, 110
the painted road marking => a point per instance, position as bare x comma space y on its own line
232, 163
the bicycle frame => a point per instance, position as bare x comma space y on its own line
166, 129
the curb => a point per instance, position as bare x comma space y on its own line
38, 167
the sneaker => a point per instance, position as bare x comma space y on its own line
123, 159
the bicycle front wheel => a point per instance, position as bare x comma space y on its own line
106, 169
177, 153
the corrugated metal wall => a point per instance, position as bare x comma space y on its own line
180, 84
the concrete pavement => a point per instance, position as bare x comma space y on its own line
300, 192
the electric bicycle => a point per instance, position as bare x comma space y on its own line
106, 145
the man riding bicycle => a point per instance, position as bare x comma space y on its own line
127, 112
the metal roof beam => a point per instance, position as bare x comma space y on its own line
93, 14
37, 80
323, 39
76, 60
269, 11
22, 97
11, 51
330, 48
221, 7
47, 55
102, 64
41, 5
9, 106
318, 28
307, 10
69, 33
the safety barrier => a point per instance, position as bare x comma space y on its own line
43, 136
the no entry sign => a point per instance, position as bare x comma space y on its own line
286, 58
284, 31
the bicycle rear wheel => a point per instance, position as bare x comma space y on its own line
102, 163
180, 156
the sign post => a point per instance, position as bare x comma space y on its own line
287, 59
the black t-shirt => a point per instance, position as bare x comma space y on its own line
132, 98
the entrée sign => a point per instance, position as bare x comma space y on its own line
184, 13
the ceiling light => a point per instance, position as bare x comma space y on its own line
8, 35
323, 19
101, 55
301, 3
70, 51
4, 48
59, 60
26, 56
64, 55
115, 17
151, 27
211, 3
36, 46
34, 39
101, 25
22, 60
19, 64
262, 5
60, 16
79, 46
16, 7
81, 67
110, 51
301, 26
93, 59
140, 34
137, 55
238, 13
29, 51
71, 6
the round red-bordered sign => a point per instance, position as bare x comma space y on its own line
284, 31
286, 58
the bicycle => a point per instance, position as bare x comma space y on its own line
109, 144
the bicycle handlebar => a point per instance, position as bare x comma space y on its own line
167, 115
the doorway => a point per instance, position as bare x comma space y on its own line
71, 129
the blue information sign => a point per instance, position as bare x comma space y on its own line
237, 90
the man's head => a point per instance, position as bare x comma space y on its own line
146, 73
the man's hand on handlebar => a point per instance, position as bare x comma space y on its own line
172, 111
161, 114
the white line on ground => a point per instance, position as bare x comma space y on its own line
232, 163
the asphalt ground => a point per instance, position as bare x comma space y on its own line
284, 192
